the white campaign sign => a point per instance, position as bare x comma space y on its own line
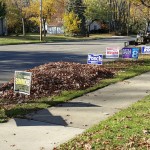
112, 52
145, 50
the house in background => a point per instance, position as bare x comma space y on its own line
94, 25
55, 28
3, 29
97, 26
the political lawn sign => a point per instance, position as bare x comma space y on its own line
95, 59
22, 82
145, 50
112, 52
135, 53
130, 53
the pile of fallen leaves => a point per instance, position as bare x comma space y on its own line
52, 78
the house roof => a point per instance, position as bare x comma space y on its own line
55, 24
92, 21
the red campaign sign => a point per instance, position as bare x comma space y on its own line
112, 52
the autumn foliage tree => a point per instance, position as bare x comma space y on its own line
59, 6
120, 14
77, 7
140, 15
146, 3
71, 24
33, 11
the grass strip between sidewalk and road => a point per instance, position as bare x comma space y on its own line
128, 129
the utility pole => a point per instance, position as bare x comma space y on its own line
128, 15
110, 14
41, 20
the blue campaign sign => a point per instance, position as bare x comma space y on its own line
145, 50
130, 53
135, 53
127, 53
95, 59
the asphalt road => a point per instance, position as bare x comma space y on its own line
26, 56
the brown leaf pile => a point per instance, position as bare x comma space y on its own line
52, 78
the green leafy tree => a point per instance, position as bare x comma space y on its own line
96, 9
15, 15
78, 8
2, 9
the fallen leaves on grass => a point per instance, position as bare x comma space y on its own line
138, 142
52, 78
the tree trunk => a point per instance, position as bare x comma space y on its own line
23, 27
1, 25
44, 23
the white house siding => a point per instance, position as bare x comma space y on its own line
55, 30
95, 26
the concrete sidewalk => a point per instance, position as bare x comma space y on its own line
51, 127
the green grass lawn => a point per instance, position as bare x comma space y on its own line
127, 130
35, 38
6, 40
